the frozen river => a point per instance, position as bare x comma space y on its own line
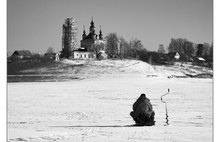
98, 110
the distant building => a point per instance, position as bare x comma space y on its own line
161, 49
22, 54
173, 56
200, 50
177, 56
51, 56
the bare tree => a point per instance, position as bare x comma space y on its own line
121, 48
182, 46
112, 45
188, 48
207, 48
136, 46
125, 49
50, 50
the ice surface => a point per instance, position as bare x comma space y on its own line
98, 110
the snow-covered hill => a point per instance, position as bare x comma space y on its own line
85, 69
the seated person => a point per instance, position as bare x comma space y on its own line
143, 113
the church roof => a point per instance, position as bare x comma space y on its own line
90, 36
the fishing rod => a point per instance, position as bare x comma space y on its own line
167, 120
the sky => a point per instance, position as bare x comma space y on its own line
36, 25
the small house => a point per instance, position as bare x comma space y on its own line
22, 54
51, 56
173, 56
82, 53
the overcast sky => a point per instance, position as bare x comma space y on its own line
36, 25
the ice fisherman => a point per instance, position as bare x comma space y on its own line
143, 113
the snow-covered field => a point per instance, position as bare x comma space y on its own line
97, 109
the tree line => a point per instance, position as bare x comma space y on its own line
118, 47
188, 48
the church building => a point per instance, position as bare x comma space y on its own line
91, 46
92, 38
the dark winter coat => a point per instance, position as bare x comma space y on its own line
142, 106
